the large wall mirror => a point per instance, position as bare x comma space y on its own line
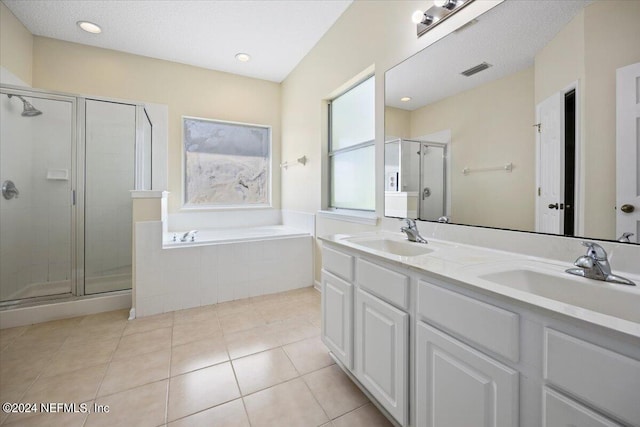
526, 118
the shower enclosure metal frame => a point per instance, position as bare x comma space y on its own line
77, 180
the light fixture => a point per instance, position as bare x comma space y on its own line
405, 99
89, 27
447, 4
420, 17
441, 10
243, 57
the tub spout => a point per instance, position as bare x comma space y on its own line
189, 235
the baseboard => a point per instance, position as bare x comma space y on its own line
317, 286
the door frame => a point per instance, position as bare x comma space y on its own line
74, 265
443, 138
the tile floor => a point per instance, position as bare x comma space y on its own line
253, 362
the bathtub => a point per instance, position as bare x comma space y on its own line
220, 265
214, 236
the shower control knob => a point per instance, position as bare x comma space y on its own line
9, 190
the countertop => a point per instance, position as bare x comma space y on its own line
465, 265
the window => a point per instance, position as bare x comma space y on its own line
226, 164
352, 148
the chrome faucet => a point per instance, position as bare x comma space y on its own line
625, 238
411, 230
188, 234
595, 265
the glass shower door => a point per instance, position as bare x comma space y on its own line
36, 207
109, 177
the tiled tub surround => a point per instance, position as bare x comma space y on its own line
180, 277
256, 361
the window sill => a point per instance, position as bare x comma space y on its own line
358, 217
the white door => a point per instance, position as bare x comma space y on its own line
457, 385
337, 313
550, 165
628, 151
381, 353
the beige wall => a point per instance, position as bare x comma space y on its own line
385, 38
397, 123
561, 61
187, 90
588, 50
612, 40
16, 45
490, 126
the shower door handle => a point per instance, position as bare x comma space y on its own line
9, 190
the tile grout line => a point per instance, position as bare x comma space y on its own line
95, 397
6, 418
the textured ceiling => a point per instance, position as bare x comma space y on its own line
277, 34
507, 37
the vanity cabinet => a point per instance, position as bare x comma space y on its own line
456, 385
435, 352
381, 352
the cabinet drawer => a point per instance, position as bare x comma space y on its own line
606, 380
493, 328
338, 263
559, 410
385, 283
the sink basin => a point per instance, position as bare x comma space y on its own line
602, 297
395, 247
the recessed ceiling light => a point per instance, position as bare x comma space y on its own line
243, 57
405, 99
89, 27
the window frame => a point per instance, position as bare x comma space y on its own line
332, 153
229, 206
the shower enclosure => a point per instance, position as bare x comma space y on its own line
67, 165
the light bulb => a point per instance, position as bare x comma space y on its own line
447, 4
405, 99
417, 16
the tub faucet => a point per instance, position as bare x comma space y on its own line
595, 265
188, 234
411, 230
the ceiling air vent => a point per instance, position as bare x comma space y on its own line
473, 70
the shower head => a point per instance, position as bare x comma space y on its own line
28, 110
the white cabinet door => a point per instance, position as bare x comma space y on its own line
337, 315
457, 385
381, 349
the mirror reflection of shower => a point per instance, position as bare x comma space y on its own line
28, 109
